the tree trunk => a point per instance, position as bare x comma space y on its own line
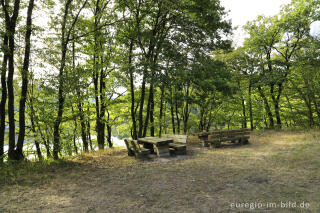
133, 113
147, 113
151, 111
25, 81
250, 106
172, 113
177, 116
140, 118
89, 134
75, 132
33, 125
161, 110
11, 23
269, 113
186, 112
3, 97
109, 134
276, 104
61, 98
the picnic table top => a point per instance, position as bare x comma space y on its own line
156, 140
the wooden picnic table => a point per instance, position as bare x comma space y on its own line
157, 145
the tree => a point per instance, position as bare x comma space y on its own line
25, 80
67, 26
11, 17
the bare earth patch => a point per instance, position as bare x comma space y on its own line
275, 168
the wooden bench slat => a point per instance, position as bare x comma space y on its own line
135, 150
216, 137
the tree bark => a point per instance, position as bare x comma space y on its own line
133, 113
11, 23
269, 113
145, 126
177, 117
250, 106
161, 109
152, 111
172, 112
186, 112
140, 118
65, 39
25, 81
276, 103
3, 96
33, 127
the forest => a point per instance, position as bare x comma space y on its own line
76, 73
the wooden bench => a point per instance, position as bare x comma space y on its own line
135, 150
235, 135
178, 146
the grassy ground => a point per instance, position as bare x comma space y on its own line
274, 169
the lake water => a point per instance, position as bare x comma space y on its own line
31, 147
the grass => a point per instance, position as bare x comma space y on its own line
30, 173
275, 168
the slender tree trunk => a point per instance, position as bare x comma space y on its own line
133, 113
140, 118
201, 122
152, 111
165, 117
109, 134
33, 127
109, 131
11, 23
145, 127
25, 81
244, 125
276, 104
38, 150
250, 106
291, 109
61, 98
269, 113
3, 96
177, 117
172, 113
161, 110
83, 128
102, 111
154, 62
89, 135
12, 143
75, 132
45, 140
186, 112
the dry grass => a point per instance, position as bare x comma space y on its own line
274, 167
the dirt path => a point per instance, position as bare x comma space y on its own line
270, 169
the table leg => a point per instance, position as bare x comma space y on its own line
149, 146
162, 151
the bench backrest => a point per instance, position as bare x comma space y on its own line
132, 145
229, 133
176, 138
